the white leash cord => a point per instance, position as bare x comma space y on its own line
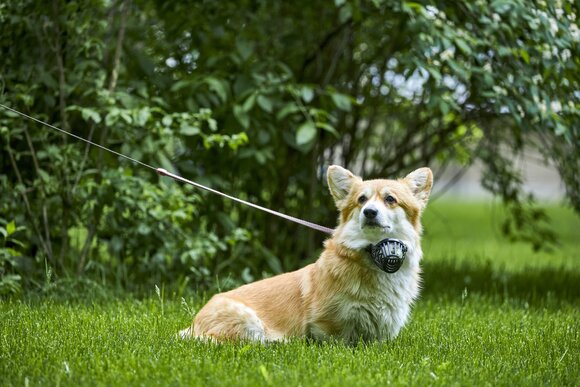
164, 172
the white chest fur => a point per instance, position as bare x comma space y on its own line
373, 307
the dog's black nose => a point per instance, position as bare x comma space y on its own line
370, 213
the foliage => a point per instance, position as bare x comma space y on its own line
256, 99
10, 251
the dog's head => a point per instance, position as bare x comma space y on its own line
372, 210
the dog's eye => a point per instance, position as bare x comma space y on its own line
390, 199
362, 199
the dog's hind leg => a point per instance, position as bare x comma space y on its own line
224, 318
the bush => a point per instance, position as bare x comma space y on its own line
256, 99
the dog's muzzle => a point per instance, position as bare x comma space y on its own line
389, 254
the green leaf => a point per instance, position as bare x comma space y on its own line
328, 128
249, 103
411, 5
435, 73
462, 72
143, 115
504, 51
242, 116
463, 46
13, 253
525, 56
306, 133
189, 130
112, 117
560, 129
288, 109
10, 228
307, 94
265, 103
91, 114
219, 87
45, 177
444, 107
126, 117
180, 85
345, 13
245, 49
167, 120
212, 124
341, 101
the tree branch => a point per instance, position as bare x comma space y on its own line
322, 45
61, 69
119, 47
44, 213
45, 244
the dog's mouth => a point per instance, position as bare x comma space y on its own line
388, 254
373, 224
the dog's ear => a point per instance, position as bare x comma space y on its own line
340, 182
420, 181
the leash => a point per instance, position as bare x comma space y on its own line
164, 172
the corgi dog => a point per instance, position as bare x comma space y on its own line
344, 294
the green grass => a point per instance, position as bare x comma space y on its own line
491, 314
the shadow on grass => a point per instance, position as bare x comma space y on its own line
535, 286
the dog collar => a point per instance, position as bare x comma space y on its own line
389, 254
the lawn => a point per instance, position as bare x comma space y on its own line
492, 313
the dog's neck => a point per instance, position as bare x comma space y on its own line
351, 271
358, 257
343, 251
